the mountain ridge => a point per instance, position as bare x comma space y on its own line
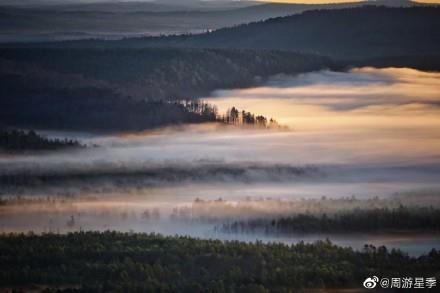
117, 20
370, 31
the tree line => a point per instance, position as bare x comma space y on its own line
130, 262
370, 220
350, 33
130, 89
233, 116
236, 117
14, 140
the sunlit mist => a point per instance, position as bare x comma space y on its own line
371, 112
363, 138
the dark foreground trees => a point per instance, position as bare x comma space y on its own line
124, 262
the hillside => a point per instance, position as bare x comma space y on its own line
127, 89
118, 262
345, 33
116, 20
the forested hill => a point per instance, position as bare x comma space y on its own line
357, 32
127, 89
345, 33
118, 262
153, 74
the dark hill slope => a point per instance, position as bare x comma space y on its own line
127, 89
154, 74
346, 33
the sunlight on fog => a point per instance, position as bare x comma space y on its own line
385, 117
363, 138
370, 113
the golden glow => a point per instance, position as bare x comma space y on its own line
368, 113
403, 93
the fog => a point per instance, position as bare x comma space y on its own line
361, 139
369, 116
159, 211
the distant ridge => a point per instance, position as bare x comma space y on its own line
363, 32
29, 21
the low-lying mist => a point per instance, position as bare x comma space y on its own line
366, 126
366, 115
361, 139
161, 211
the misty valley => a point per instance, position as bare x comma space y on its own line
219, 146
207, 179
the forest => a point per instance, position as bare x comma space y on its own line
338, 33
131, 262
378, 220
151, 74
92, 110
140, 83
150, 151
129, 89
13, 140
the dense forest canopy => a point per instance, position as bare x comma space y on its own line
127, 262
136, 89
155, 74
128, 89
